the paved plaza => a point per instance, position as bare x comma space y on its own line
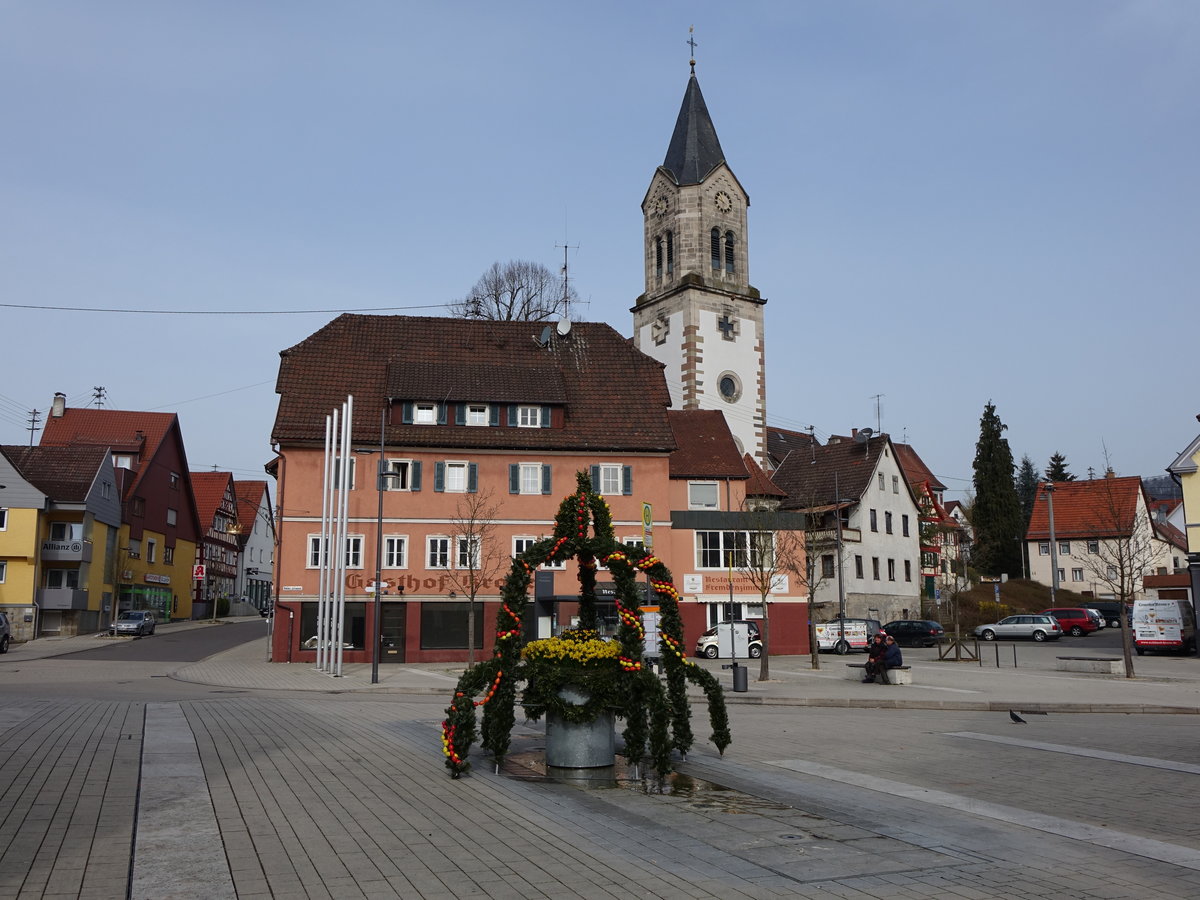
236, 777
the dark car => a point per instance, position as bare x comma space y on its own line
915, 632
1075, 621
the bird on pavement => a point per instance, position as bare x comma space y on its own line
1017, 720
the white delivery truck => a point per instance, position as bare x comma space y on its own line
1164, 625
842, 637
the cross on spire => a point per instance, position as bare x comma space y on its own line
692, 43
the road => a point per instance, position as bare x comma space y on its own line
119, 781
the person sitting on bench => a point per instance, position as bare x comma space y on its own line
892, 659
874, 653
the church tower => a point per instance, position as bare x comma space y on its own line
699, 315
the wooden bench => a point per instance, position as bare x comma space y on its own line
1093, 665
898, 675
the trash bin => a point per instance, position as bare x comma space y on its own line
739, 678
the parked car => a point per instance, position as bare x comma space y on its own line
706, 644
134, 621
5, 633
842, 635
1111, 611
1097, 616
1074, 620
1164, 626
1034, 627
915, 632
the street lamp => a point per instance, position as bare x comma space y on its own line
1049, 489
381, 474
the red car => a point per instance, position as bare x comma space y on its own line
1075, 621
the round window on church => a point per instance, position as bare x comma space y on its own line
730, 387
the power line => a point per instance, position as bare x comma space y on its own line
220, 312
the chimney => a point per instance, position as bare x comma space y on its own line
59, 405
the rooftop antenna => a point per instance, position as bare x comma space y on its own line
34, 420
564, 324
692, 43
878, 412
98, 395
812, 442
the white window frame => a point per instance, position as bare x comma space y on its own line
529, 477
610, 479
172, 516
1062, 575
122, 461
529, 416
3, 518
442, 550
393, 467
1093, 546
168, 556
390, 542
891, 570
456, 465
522, 542
1077, 574
1043, 548
634, 540
696, 500
476, 415
895, 484
466, 546
3, 570
742, 551
354, 551
1064, 548
151, 550
425, 414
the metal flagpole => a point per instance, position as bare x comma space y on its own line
340, 609
324, 538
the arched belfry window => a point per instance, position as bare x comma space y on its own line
670, 252
658, 254
716, 249
729, 252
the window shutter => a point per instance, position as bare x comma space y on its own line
494, 415
441, 413
626, 480
460, 414
414, 475
545, 478
512, 416
439, 476
596, 479
545, 417
472, 477
514, 478
406, 413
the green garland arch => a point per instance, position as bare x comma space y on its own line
657, 718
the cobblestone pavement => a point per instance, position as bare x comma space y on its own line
272, 780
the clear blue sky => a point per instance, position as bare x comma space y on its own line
951, 201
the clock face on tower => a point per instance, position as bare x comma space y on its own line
660, 205
724, 204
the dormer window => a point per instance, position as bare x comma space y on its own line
529, 417
477, 414
424, 413
122, 461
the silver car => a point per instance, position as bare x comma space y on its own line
134, 621
1035, 627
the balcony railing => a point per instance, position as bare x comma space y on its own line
62, 598
67, 551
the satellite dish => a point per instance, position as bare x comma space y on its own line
863, 435
564, 326
544, 340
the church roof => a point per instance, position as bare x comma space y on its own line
694, 150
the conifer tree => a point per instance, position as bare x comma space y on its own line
997, 512
1057, 470
1027, 487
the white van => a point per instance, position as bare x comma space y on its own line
1164, 625
842, 637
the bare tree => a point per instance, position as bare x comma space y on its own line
517, 290
770, 552
477, 558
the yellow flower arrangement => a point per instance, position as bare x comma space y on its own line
573, 648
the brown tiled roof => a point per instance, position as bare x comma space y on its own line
116, 429
914, 468
615, 397
64, 474
209, 489
1099, 508
1172, 535
809, 478
705, 446
760, 484
781, 442
250, 496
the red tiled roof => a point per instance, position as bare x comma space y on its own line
1099, 508
1172, 535
250, 497
614, 397
64, 474
810, 478
760, 484
914, 468
704, 445
114, 428
781, 442
209, 489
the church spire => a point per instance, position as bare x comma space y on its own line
694, 150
